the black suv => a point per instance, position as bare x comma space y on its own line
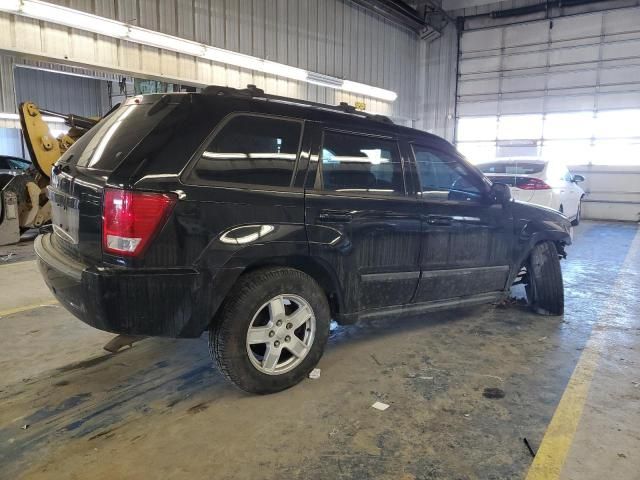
260, 218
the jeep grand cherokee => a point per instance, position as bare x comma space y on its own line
259, 219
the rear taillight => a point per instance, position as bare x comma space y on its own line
131, 219
532, 184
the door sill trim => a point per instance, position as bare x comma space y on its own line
417, 308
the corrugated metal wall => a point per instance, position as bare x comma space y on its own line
334, 37
66, 90
59, 92
7, 92
53, 87
437, 84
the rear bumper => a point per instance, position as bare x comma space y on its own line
166, 302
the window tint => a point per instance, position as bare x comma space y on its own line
4, 163
443, 177
356, 163
252, 150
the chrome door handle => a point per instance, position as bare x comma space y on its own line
439, 220
335, 216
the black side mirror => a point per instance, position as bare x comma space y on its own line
577, 178
500, 193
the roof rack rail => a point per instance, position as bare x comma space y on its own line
254, 92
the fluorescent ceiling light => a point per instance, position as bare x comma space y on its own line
168, 42
232, 58
369, 90
84, 21
324, 80
73, 18
10, 5
282, 70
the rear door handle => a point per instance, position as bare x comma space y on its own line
335, 216
439, 220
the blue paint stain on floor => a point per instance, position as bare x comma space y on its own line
122, 391
49, 411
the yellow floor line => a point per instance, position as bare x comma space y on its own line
558, 438
26, 308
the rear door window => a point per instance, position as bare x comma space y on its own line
251, 150
353, 163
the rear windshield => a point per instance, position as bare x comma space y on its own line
513, 168
110, 141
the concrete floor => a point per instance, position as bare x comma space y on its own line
160, 410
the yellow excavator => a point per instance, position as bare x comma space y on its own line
23, 198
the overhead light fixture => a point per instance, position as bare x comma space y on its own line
10, 5
324, 80
167, 42
369, 90
92, 23
73, 18
233, 58
279, 69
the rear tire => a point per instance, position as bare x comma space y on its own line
545, 289
257, 323
576, 221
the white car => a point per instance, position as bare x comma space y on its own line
541, 182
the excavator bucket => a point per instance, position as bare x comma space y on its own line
23, 199
43, 148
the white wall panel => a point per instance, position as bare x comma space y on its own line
599, 51
525, 34
619, 21
574, 27
523, 84
568, 103
573, 55
481, 40
523, 61
616, 50
612, 101
613, 193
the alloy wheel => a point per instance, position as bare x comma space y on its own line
281, 334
